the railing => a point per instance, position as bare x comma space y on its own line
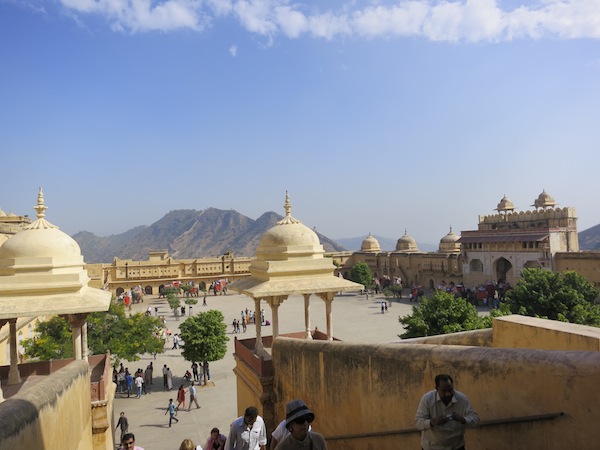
484, 423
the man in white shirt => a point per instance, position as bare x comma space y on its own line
247, 432
193, 397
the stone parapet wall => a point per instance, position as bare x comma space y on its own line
54, 413
530, 332
356, 389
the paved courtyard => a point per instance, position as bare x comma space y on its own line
355, 319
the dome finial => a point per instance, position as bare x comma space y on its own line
288, 212
288, 205
40, 207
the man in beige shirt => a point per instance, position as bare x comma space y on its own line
442, 416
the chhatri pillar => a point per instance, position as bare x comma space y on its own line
327, 297
259, 347
307, 316
77, 322
275, 302
14, 376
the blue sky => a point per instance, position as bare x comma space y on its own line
376, 116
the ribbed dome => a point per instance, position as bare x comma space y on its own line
544, 200
406, 243
449, 243
41, 243
505, 205
288, 238
289, 234
41, 239
370, 244
42, 273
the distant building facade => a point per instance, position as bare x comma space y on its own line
161, 269
502, 246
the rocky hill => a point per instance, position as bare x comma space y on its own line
186, 234
590, 239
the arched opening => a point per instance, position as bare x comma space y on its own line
148, 290
431, 284
503, 266
476, 265
120, 290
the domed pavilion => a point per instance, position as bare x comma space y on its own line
289, 261
449, 243
42, 274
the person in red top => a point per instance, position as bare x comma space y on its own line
180, 397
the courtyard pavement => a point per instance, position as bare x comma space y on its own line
355, 319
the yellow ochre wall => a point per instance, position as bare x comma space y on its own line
354, 388
529, 332
53, 414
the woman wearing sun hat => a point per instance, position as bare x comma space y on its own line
298, 417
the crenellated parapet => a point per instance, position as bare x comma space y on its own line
541, 218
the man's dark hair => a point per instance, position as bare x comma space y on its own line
127, 436
443, 377
251, 412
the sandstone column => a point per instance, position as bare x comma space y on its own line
14, 376
259, 344
77, 321
307, 316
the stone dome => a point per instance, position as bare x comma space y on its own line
2, 213
544, 200
505, 205
370, 244
406, 243
37, 242
288, 238
449, 243
42, 273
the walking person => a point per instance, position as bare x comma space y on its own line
193, 397
123, 423
180, 397
171, 411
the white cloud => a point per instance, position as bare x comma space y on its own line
438, 20
233, 50
292, 22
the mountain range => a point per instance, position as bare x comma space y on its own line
186, 234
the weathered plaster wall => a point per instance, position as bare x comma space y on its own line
477, 338
50, 415
357, 389
529, 332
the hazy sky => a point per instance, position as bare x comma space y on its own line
376, 116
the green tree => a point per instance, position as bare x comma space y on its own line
204, 337
360, 273
441, 314
174, 303
567, 297
126, 337
53, 341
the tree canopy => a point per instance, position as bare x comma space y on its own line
567, 297
204, 337
125, 337
441, 314
360, 273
